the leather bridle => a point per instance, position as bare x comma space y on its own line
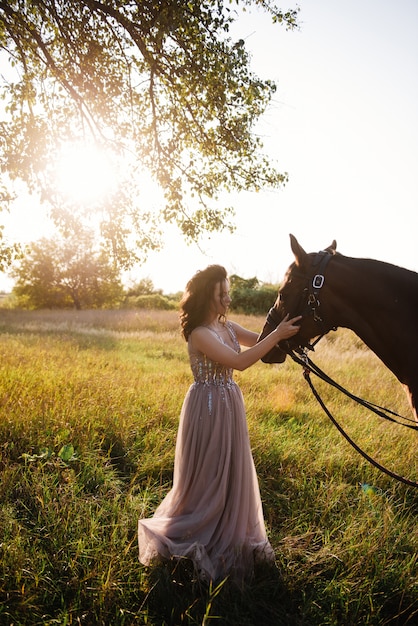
309, 302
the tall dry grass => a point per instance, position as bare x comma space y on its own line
89, 411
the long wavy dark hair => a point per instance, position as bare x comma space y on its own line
196, 301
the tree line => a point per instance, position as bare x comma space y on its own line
55, 274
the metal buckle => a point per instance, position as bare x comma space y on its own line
318, 281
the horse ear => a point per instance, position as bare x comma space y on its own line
332, 248
298, 251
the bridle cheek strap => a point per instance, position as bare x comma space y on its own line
313, 304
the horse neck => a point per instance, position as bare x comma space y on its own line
373, 299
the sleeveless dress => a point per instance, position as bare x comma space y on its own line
213, 513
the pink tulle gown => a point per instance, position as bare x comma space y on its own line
213, 513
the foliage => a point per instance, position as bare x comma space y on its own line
161, 85
143, 295
62, 274
8, 252
144, 287
151, 301
250, 296
88, 419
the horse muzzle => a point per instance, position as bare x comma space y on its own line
276, 355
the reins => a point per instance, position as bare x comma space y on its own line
310, 296
379, 410
308, 367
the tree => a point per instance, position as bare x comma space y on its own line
60, 274
159, 84
145, 287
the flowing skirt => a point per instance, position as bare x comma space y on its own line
213, 513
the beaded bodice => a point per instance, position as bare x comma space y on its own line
207, 371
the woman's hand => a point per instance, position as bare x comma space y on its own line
287, 327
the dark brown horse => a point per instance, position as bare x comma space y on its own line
376, 300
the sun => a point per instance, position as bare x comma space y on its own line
85, 174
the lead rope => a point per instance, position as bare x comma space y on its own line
379, 410
306, 373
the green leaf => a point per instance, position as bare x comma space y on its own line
67, 453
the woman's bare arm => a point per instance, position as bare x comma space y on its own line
204, 341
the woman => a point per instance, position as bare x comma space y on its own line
213, 513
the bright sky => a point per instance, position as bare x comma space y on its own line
344, 125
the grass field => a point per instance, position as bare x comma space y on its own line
89, 406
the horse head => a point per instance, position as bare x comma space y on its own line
300, 294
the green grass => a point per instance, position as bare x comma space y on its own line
89, 406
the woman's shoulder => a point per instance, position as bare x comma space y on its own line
198, 330
198, 333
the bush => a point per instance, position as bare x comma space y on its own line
151, 301
251, 297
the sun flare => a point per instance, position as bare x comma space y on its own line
85, 174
